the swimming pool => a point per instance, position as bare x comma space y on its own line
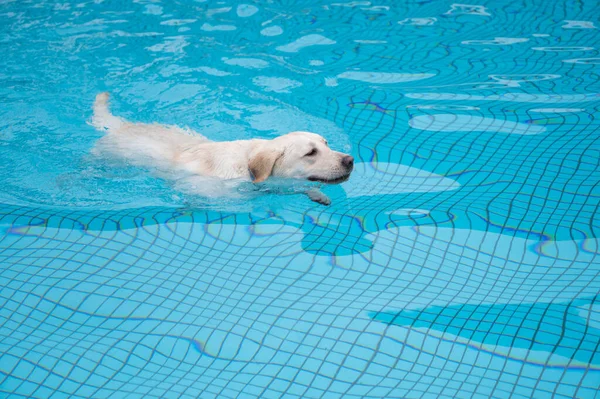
460, 259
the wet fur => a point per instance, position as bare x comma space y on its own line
167, 148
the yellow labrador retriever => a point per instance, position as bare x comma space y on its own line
296, 155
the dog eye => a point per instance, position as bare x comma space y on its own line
312, 153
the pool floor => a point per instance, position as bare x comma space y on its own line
460, 260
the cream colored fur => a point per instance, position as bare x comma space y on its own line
296, 155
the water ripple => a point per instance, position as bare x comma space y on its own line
471, 123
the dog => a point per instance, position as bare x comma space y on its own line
296, 155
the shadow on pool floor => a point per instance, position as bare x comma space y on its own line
568, 329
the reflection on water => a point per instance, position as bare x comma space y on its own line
463, 247
471, 123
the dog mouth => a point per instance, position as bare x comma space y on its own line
335, 180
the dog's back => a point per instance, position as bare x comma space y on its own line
140, 143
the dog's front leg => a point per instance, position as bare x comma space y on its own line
317, 196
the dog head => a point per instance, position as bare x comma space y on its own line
299, 155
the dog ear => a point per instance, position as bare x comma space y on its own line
261, 163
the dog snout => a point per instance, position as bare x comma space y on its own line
348, 161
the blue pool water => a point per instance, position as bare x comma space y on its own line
461, 259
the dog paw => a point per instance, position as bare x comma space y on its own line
318, 197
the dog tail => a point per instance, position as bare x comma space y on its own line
103, 119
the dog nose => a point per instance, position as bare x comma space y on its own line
348, 161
